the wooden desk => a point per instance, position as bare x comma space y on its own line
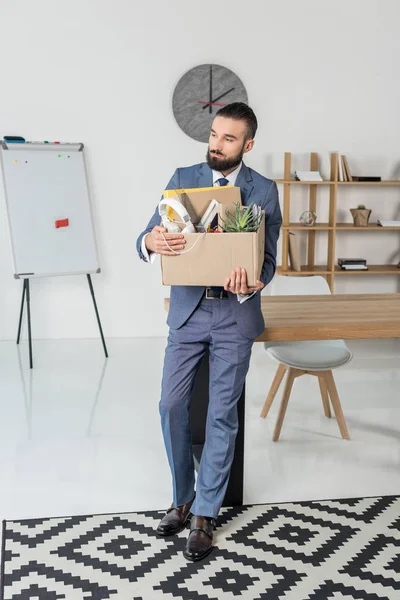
294, 318
341, 316
329, 317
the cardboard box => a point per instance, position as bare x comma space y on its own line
209, 258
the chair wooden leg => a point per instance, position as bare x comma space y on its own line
281, 370
324, 396
330, 384
282, 409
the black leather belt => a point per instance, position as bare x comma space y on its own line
215, 294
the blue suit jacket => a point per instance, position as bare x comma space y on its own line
253, 188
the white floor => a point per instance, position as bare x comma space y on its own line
80, 434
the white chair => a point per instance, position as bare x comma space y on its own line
316, 358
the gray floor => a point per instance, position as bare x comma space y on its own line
81, 435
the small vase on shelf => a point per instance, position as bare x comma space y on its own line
360, 215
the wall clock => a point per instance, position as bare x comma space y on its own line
198, 95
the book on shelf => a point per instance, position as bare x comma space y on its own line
353, 264
354, 267
346, 168
344, 173
340, 169
351, 261
308, 176
388, 223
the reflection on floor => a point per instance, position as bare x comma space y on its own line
80, 434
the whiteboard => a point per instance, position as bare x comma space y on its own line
48, 208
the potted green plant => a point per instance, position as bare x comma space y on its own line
360, 215
244, 219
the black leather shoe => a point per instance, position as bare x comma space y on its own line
174, 520
199, 544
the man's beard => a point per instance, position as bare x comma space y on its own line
223, 164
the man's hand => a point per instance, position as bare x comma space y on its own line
237, 283
155, 241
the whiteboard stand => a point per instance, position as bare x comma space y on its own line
97, 314
26, 295
49, 216
28, 308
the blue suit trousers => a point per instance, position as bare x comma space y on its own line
212, 326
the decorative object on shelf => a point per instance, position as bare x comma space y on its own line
308, 218
360, 215
294, 252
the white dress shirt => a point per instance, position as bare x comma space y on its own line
151, 256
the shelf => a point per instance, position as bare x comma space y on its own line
370, 227
295, 182
338, 226
305, 270
323, 270
387, 182
316, 227
372, 270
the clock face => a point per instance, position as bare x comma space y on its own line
200, 93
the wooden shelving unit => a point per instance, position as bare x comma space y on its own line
330, 270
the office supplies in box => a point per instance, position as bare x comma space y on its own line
209, 258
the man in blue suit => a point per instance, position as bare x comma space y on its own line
225, 321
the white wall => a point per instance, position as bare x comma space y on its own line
321, 77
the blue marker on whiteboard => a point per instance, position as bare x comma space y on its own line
15, 139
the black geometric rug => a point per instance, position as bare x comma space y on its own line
331, 549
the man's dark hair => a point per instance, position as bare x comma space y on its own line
241, 111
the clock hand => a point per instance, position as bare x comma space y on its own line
219, 97
213, 103
210, 105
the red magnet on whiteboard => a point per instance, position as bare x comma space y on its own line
62, 223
